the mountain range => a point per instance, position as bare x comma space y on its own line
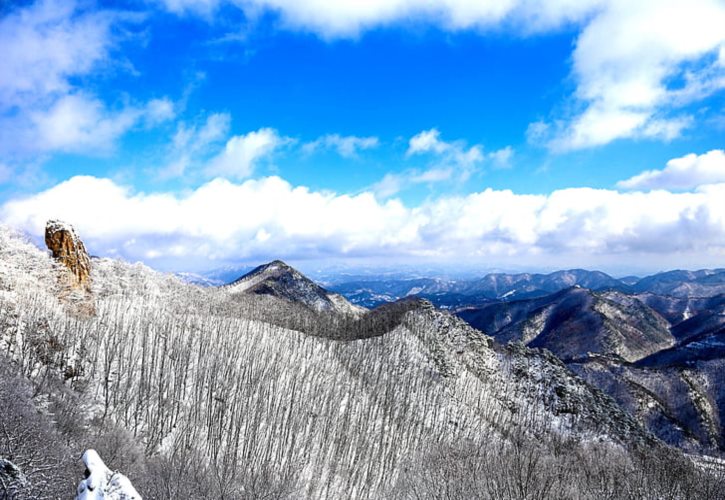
272, 386
651, 343
655, 344
661, 357
453, 293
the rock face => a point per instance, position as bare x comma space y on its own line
68, 249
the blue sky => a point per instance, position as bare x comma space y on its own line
191, 134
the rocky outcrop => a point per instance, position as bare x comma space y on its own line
68, 249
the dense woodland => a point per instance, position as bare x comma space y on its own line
199, 393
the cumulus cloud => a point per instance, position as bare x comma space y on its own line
47, 47
242, 153
625, 60
281, 220
635, 64
687, 172
47, 44
346, 146
349, 18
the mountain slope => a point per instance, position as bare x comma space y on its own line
682, 403
665, 376
680, 309
202, 376
703, 283
575, 322
284, 282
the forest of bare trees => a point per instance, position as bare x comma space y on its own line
198, 393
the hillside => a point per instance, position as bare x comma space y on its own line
660, 357
679, 397
576, 322
199, 392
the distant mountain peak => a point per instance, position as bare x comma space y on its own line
281, 280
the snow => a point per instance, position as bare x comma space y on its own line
59, 225
357, 410
103, 484
687, 314
342, 305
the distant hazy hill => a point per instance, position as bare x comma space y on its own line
704, 283
473, 291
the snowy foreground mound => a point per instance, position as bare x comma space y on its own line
103, 484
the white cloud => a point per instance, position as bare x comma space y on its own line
48, 47
77, 123
636, 64
502, 157
280, 220
625, 60
452, 154
346, 146
242, 153
81, 123
687, 172
349, 18
191, 143
203, 7
393, 183
44, 46
451, 161
159, 111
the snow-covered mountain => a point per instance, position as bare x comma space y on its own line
203, 392
575, 323
702, 283
277, 279
662, 363
456, 293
